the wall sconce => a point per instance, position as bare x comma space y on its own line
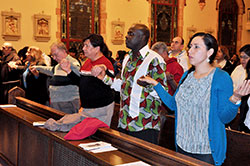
202, 4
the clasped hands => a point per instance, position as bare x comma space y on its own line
98, 71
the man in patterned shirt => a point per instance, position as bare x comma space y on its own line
140, 106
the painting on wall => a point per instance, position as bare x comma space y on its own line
117, 32
11, 27
42, 27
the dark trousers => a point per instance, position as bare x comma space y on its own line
203, 157
149, 135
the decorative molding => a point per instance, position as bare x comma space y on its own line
241, 11
11, 26
209, 30
103, 19
191, 31
42, 24
117, 32
248, 20
240, 3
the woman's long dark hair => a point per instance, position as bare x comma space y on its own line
210, 42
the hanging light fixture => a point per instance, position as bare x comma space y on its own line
202, 4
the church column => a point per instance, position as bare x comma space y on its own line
103, 18
180, 17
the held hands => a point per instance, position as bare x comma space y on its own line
12, 65
242, 90
146, 80
169, 76
34, 71
65, 65
99, 71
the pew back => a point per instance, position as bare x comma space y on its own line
33, 143
238, 144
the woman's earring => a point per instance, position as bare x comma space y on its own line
208, 60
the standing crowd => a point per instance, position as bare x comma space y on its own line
203, 86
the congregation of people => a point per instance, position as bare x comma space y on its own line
205, 86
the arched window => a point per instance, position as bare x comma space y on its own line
78, 19
164, 20
227, 34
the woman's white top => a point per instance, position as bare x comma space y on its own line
247, 120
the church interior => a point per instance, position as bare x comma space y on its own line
40, 23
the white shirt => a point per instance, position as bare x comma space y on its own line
222, 63
182, 59
46, 59
238, 76
247, 120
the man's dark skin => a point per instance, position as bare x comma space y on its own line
136, 38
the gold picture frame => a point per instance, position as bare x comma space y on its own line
11, 27
42, 25
117, 32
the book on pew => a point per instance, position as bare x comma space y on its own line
97, 147
7, 105
39, 123
137, 163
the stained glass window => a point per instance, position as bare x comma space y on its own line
227, 34
79, 18
164, 20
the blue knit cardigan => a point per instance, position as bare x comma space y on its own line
222, 111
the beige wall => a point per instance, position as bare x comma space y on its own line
128, 11
201, 20
28, 8
208, 19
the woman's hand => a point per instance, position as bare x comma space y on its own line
242, 90
34, 71
65, 65
12, 65
146, 80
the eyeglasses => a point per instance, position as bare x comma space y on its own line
244, 57
5, 48
54, 54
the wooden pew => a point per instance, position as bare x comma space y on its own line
238, 144
234, 124
38, 109
24, 144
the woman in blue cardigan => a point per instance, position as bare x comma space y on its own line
203, 103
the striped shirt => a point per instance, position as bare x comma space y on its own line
193, 106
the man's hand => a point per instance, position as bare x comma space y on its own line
12, 65
65, 65
169, 76
99, 71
